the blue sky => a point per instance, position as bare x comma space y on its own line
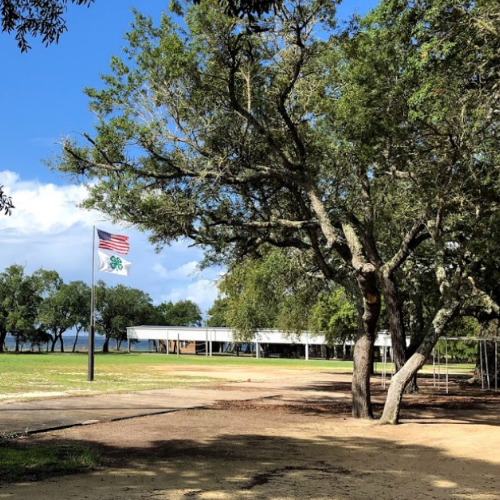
41, 101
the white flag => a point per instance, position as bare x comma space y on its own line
113, 264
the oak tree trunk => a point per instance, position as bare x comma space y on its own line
401, 379
363, 355
365, 345
396, 324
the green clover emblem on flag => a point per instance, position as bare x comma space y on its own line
115, 263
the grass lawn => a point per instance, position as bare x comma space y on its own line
19, 461
25, 376
28, 375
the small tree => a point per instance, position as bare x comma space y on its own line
19, 305
182, 313
118, 308
217, 314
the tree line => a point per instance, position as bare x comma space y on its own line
367, 154
38, 309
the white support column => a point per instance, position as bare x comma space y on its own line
257, 353
307, 352
128, 342
178, 345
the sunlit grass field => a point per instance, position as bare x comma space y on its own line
26, 376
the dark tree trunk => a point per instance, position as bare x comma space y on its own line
61, 342
76, 341
396, 324
105, 346
412, 387
401, 379
365, 345
3, 336
417, 335
361, 400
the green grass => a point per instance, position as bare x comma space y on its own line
67, 373
26, 462
28, 375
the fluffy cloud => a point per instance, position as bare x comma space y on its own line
47, 229
43, 208
203, 292
188, 270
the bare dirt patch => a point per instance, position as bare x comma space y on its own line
301, 445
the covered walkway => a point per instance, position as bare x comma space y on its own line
217, 336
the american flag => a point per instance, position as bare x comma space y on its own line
115, 242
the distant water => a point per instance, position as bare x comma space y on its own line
81, 346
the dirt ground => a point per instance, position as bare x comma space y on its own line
300, 445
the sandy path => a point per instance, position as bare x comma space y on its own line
282, 449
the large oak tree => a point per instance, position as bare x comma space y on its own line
280, 131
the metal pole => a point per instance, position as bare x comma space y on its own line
481, 364
434, 367
446, 359
384, 367
439, 366
486, 364
90, 374
496, 365
206, 337
178, 344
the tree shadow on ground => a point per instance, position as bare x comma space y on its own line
268, 467
461, 405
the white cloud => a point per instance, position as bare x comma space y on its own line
203, 292
43, 208
188, 270
48, 230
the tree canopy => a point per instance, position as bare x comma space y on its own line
369, 155
181, 313
35, 18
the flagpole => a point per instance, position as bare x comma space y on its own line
90, 377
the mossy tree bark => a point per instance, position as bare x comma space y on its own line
404, 376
